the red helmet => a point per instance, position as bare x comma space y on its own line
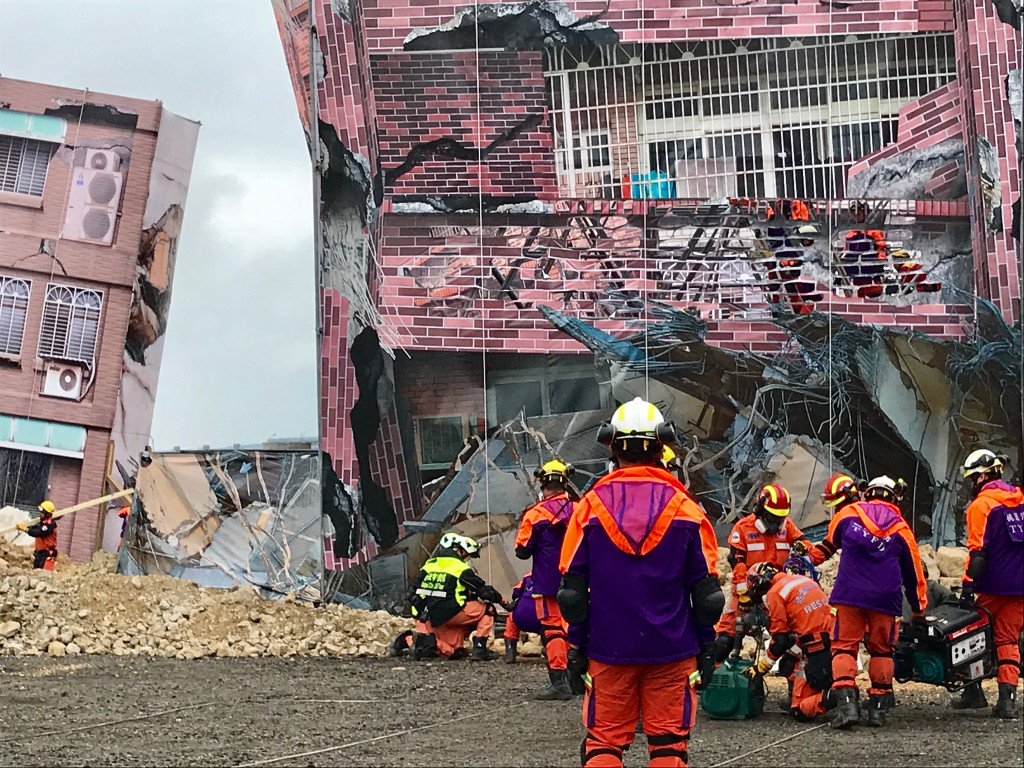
775, 500
840, 489
759, 579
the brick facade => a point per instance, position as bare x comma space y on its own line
24, 223
456, 284
425, 97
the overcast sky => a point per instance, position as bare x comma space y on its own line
239, 360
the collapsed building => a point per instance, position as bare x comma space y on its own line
797, 227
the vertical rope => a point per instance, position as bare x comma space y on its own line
646, 203
483, 269
829, 255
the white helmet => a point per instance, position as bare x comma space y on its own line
453, 540
637, 419
884, 487
981, 462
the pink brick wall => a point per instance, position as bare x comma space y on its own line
388, 22
422, 97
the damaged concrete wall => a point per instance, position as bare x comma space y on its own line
151, 298
229, 518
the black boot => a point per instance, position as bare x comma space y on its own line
1007, 704
401, 644
511, 651
878, 705
557, 689
423, 647
972, 697
847, 706
481, 652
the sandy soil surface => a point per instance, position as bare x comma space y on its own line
60, 712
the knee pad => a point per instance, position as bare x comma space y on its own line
574, 598
707, 600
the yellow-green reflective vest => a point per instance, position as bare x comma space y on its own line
441, 583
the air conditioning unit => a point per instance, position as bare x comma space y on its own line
102, 160
62, 380
95, 200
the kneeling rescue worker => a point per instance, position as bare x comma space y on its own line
879, 557
994, 580
44, 531
539, 537
640, 593
766, 536
522, 617
801, 622
450, 601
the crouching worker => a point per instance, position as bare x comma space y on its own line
801, 622
450, 602
640, 593
45, 533
522, 617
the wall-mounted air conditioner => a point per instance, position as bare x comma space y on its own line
95, 198
62, 380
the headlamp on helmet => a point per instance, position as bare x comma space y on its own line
983, 462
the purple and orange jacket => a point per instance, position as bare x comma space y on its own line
540, 536
995, 524
641, 543
879, 558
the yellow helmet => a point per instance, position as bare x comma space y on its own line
555, 470
47, 508
668, 456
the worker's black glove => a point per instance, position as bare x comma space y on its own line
705, 664
511, 605
576, 667
489, 594
967, 597
919, 620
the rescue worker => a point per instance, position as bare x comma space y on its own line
640, 593
765, 536
449, 603
522, 617
801, 622
880, 559
539, 537
123, 513
994, 580
44, 531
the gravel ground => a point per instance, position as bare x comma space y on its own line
471, 714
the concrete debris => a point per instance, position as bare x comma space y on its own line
951, 561
89, 609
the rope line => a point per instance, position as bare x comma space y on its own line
382, 737
769, 746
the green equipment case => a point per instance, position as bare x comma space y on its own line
731, 694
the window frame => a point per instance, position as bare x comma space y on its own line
37, 145
5, 281
65, 355
545, 375
464, 419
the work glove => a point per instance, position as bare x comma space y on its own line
706, 664
760, 669
490, 595
918, 620
800, 548
576, 667
22, 527
967, 597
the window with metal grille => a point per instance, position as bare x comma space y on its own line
771, 117
71, 323
23, 164
24, 478
440, 439
13, 309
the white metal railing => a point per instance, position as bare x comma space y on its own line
770, 117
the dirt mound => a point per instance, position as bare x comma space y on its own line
90, 609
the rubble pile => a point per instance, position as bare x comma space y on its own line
89, 609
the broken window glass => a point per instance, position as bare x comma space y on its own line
24, 478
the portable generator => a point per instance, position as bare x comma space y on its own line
953, 648
732, 695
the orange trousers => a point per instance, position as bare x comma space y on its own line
852, 624
618, 694
1007, 619
805, 699
473, 619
